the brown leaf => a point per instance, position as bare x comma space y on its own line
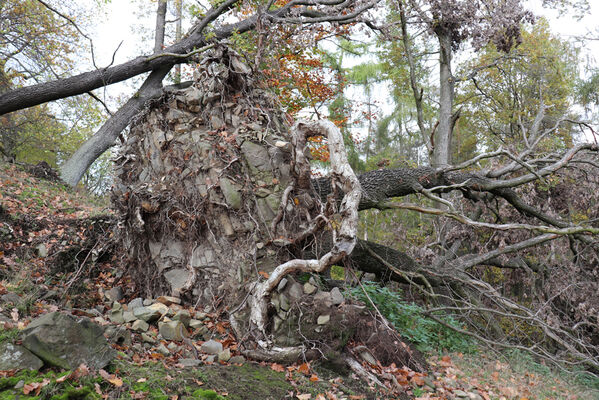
304, 368
277, 367
305, 396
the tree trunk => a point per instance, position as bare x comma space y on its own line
442, 136
72, 170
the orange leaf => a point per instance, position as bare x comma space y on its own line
277, 367
304, 368
314, 378
417, 380
264, 274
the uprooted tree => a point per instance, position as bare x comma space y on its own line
218, 205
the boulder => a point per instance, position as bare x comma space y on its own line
61, 340
173, 330
211, 347
13, 357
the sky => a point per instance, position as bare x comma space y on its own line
119, 20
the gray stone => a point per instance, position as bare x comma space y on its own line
135, 303
117, 316
184, 316
296, 291
11, 297
61, 340
282, 284
172, 346
20, 384
237, 360
163, 350
210, 359
323, 298
128, 316
172, 330
284, 302
140, 326
256, 155
147, 338
309, 288
114, 294
42, 250
232, 193
366, 356
118, 335
195, 324
200, 315
151, 312
13, 357
323, 319
337, 296
224, 355
147, 302
211, 347
189, 362
176, 278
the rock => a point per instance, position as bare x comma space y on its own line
200, 315
309, 288
135, 303
184, 316
232, 193
20, 384
150, 313
211, 347
296, 291
118, 335
42, 250
237, 360
282, 284
176, 278
195, 324
140, 326
336, 296
461, 394
11, 297
323, 319
61, 340
117, 316
14, 356
128, 316
256, 155
323, 298
284, 302
168, 300
147, 338
210, 359
114, 294
224, 355
366, 356
189, 362
163, 350
173, 330
147, 302
172, 346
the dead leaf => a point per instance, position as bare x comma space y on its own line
304, 368
304, 396
314, 378
277, 367
118, 382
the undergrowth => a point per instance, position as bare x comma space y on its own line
409, 319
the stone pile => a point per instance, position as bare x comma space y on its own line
164, 326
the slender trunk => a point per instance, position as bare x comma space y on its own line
442, 138
179, 12
72, 170
160, 24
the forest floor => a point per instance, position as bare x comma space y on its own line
41, 219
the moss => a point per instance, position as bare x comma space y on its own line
207, 395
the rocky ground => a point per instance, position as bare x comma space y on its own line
72, 325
